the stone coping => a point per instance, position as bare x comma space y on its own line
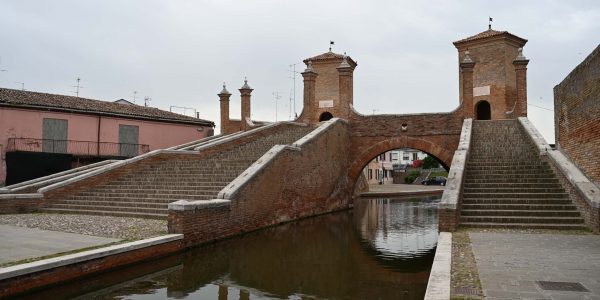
235, 186
438, 286
183, 205
21, 196
590, 192
193, 143
54, 177
405, 115
456, 173
55, 262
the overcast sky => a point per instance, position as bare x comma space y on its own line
180, 52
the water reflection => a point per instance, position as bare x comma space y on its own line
383, 249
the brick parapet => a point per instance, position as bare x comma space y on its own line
287, 183
450, 204
577, 115
584, 193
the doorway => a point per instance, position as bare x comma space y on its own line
483, 110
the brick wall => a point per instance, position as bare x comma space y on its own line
577, 115
296, 183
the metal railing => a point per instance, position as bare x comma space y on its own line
81, 148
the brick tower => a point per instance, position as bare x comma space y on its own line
327, 87
493, 75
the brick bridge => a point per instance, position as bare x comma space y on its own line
257, 174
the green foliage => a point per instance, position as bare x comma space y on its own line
412, 175
430, 162
433, 174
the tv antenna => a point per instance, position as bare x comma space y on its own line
276, 97
77, 87
147, 101
22, 85
294, 72
134, 95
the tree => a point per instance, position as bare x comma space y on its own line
430, 162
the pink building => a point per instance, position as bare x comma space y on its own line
44, 133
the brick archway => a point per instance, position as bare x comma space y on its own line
361, 160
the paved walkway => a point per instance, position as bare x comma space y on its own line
384, 189
511, 265
18, 243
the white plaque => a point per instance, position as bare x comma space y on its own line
481, 91
325, 103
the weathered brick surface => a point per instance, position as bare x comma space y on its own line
20, 284
297, 183
577, 116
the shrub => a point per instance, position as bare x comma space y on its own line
430, 162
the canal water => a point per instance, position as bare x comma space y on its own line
382, 249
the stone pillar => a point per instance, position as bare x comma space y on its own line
520, 64
310, 79
224, 100
466, 68
346, 86
246, 90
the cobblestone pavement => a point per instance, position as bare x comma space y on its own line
103, 226
511, 265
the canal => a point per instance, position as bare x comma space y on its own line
382, 249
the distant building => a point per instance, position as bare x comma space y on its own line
380, 169
44, 133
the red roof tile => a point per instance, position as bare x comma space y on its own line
329, 55
10, 97
486, 34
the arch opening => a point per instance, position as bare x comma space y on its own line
326, 116
483, 110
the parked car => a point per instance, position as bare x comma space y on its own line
441, 180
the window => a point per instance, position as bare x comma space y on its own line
128, 140
54, 135
370, 173
382, 156
415, 157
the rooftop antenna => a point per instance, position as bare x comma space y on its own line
490, 23
147, 101
290, 110
374, 111
77, 87
22, 85
276, 97
294, 72
331, 43
134, 96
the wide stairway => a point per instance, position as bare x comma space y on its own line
147, 191
507, 185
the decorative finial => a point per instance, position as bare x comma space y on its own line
331, 43
246, 86
345, 63
224, 91
467, 58
309, 68
520, 55
490, 23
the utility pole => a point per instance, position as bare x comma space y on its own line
134, 95
294, 72
276, 97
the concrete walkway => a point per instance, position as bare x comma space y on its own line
512, 265
18, 243
402, 189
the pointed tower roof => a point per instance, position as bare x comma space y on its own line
491, 34
330, 56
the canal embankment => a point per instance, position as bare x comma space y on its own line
402, 190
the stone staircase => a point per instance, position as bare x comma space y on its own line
507, 185
147, 191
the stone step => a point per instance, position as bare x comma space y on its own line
124, 214
134, 209
521, 219
156, 189
519, 206
516, 185
148, 194
496, 162
146, 198
518, 212
522, 173
550, 179
525, 226
562, 201
516, 195
502, 168
146, 204
512, 190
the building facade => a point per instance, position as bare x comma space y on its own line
43, 133
381, 168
